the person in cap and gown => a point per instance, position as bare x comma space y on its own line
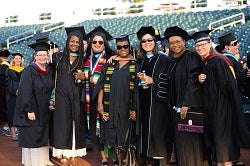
226, 127
4, 64
229, 46
31, 111
153, 111
97, 53
13, 76
117, 96
67, 134
185, 94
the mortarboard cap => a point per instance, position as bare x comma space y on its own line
17, 53
41, 37
123, 37
40, 46
148, 30
44, 37
164, 41
176, 31
4, 53
100, 29
226, 38
77, 31
201, 36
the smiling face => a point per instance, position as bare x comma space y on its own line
74, 44
123, 49
148, 43
17, 60
41, 57
176, 44
232, 48
97, 44
203, 48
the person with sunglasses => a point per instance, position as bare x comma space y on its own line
225, 126
116, 90
229, 47
186, 94
153, 112
97, 53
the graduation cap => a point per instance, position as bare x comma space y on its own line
17, 54
201, 36
148, 30
176, 31
44, 37
77, 31
40, 46
226, 38
100, 29
164, 42
123, 37
4, 53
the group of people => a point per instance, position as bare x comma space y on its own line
92, 88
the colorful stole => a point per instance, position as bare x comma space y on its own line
92, 74
106, 85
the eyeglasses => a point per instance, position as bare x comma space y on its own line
99, 42
201, 45
234, 43
147, 40
119, 47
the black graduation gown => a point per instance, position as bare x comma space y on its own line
33, 96
240, 75
68, 108
186, 91
222, 102
152, 115
3, 90
114, 130
13, 79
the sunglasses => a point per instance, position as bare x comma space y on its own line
99, 42
147, 40
234, 43
119, 47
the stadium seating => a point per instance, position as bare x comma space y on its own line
128, 25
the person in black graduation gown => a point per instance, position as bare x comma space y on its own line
31, 111
13, 76
186, 94
69, 118
4, 64
117, 92
153, 111
222, 104
97, 53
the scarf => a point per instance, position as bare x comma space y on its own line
92, 73
107, 81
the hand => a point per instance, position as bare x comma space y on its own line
248, 73
31, 116
202, 78
79, 75
110, 60
132, 115
184, 111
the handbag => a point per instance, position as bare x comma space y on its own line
128, 152
193, 122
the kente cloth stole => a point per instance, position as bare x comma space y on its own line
106, 85
91, 77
